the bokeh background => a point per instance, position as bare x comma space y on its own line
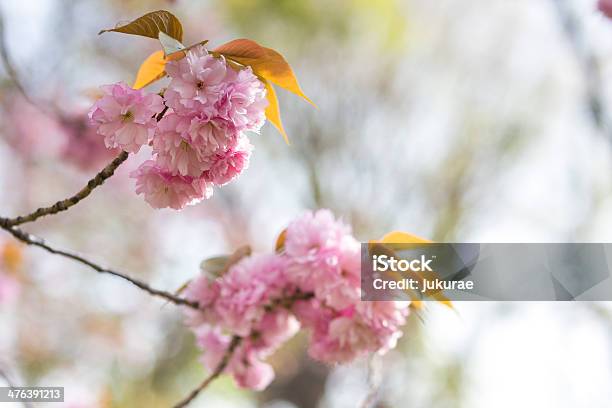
473, 120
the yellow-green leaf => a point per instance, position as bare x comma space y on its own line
265, 62
273, 111
151, 24
151, 70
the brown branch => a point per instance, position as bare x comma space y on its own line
65, 204
216, 373
39, 242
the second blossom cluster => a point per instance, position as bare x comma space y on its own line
196, 130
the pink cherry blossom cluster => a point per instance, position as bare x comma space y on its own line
313, 282
200, 141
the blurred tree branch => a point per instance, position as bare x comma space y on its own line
589, 64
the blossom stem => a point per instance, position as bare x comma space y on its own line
39, 242
161, 114
216, 373
65, 204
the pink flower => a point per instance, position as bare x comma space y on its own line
204, 292
212, 136
228, 165
196, 82
247, 288
384, 319
126, 116
605, 6
274, 328
244, 365
250, 372
83, 146
265, 299
366, 327
161, 189
325, 258
213, 343
243, 101
315, 236
175, 150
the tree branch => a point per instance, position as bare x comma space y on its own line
216, 373
589, 65
39, 242
65, 204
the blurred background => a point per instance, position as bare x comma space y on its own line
465, 121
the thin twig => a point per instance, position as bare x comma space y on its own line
39, 242
216, 373
65, 204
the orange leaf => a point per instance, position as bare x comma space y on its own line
265, 62
280, 241
151, 70
273, 112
